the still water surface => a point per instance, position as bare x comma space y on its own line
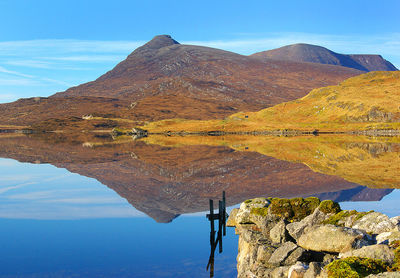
97, 207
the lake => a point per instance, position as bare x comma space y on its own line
89, 205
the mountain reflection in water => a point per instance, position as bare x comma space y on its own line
168, 176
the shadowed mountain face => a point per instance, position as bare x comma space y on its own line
164, 181
317, 54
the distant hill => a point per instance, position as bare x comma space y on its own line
302, 52
365, 102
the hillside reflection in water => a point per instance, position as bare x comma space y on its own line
119, 181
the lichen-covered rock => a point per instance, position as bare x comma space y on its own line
314, 269
264, 253
374, 223
293, 209
250, 233
270, 228
249, 207
388, 237
345, 218
247, 256
385, 275
297, 270
396, 222
296, 229
280, 254
298, 254
354, 267
231, 222
279, 272
376, 252
330, 238
328, 206
278, 233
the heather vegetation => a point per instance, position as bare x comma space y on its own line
365, 102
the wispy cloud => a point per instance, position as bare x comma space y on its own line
7, 97
86, 58
30, 64
11, 72
53, 65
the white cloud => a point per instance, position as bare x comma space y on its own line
87, 58
4, 70
30, 64
7, 97
33, 47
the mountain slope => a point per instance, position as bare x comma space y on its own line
164, 79
316, 54
368, 101
163, 66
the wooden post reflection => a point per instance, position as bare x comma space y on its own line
221, 216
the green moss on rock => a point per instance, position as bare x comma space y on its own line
293, 209
329, 206
259, 211
396, 265
335, 219
340, 218
354, 267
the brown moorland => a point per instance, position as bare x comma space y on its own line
366, 102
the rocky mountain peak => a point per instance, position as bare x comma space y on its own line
160, 41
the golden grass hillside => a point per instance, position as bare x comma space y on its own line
368, 101
369, 161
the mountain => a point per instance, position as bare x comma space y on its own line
302, 52
164, 79
366, 102
356, 194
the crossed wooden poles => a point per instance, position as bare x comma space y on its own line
221, 216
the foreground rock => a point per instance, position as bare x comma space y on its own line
309, 238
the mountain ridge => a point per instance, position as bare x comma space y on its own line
302, 52
164, 79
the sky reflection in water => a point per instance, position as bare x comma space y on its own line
57, 223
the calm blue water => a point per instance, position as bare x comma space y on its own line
54, 223
58, 224
122, 247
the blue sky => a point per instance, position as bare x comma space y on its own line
48, 46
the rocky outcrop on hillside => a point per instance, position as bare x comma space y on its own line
309, 238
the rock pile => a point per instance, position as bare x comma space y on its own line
309, 238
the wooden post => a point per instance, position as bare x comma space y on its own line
220, 209
224, 212
212, 232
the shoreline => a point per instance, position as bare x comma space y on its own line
282, 132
